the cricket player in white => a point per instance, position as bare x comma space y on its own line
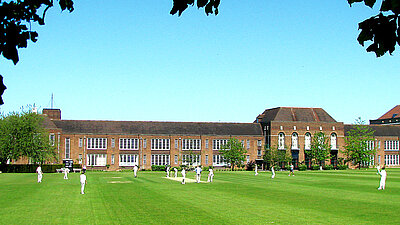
135, 169
383, 178
291, 172
176, 172
198, 174
273, 172
183, 175
167, 170
83, 182
256, 169
210, 175
39, 174
66, 171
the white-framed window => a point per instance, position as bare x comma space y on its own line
281, 141
206, 143
307, 141
370, 145
96, 159
80, 142
112, 159
159, 144
206, 159
128, 143
144, 143
128, 159
176, 143
392, 160
194, 159
248, 144
259, 143
333, 141
97, 143
218, 160
391, 145
247, 158
144, 159
258, 152
160, 159
191, 144
67, 148
52, 139
295, 141
176, 159
217, 143
112, 142
80, 159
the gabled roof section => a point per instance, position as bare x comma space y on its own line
393, 113
295, 114
388, 130
157, 128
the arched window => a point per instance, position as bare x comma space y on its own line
295, 141
281, 141
307, 141
333, 141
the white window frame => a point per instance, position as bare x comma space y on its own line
191, 144
217, 143
67, 148
128, 159
160, 159
218, 160
97, 143
248, 144
281, 141
391, 145
52, 139
295, 141
206, 143
80, 142
334, 141
96, 159
128, 143
160, 144
196, 161
307, 141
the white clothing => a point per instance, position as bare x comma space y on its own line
378, 168
135, 169
382, 183
40, 174
210, 175
198, 174
83, 182
256, 170
167, 171
273, 172
176, 172
66, 171
183, 176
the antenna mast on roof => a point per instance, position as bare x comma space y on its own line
52, 100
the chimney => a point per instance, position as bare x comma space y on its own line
53, 114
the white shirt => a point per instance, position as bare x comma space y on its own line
183, 173
197, 170
211, 171
383, 174
135, 168
39, 170
83, 178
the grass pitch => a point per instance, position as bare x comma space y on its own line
310, 197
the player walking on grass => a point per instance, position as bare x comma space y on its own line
176, 172
382, 183
135, 169
83, 180
256, 170
167, 170
198, 174
291, 170
39, 174
66, 171
210, 175
183, 175
273, 172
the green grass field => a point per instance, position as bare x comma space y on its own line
310, 197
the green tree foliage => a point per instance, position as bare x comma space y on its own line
382, 29
210, 6
22, 135
320, 148
233, 152
275, 157
357, 148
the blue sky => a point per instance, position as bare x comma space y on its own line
132, 60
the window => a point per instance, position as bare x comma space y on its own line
144, 159
307, 141
52, 139
218, 160
80, 159
96, 159
80, 142
67, 148
176, 143
259, 143
112, 159
144, 143
308, 127
206, 143
191, 144
97, 143
206, 159
160, 144
191, 159
392, 160
258, 152
161, 159
294, 127
128, 159
128, 143
281, 141
176, 159
247, 158
370, 145
391, 145
295, 141
217, 143
248, 144
112, 143
333, 141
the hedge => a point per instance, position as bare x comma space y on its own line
31, 168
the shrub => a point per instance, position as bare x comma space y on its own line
315, 167
158, 168
302, 167
31, 168
250, 165
277, 168
328, 167
342, 167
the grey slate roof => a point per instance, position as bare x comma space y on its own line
157, 128
295, 114
380, 130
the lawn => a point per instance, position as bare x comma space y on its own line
309, 197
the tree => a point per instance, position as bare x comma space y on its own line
22, 135
320, 148
233, 152
358, 139
276, 157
